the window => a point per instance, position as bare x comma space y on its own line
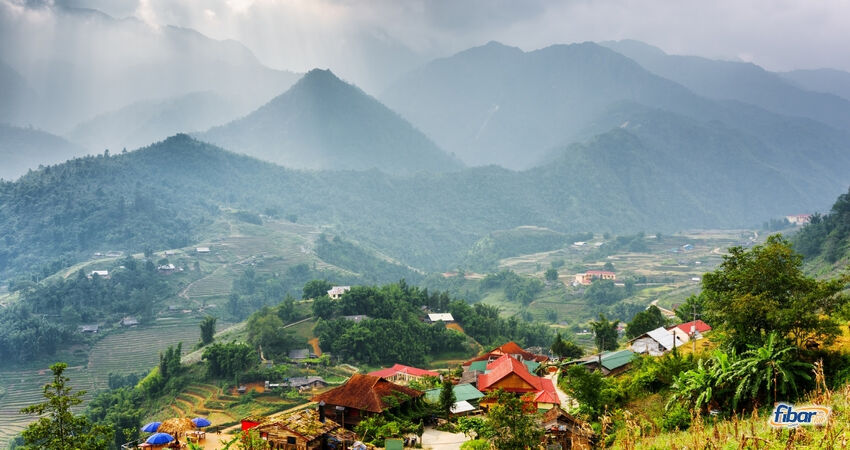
290, 440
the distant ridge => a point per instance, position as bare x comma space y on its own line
324, 123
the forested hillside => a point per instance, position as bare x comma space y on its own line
164, 195
827, 237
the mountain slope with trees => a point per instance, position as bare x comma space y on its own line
164, 196
325, 123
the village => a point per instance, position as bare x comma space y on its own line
401, 405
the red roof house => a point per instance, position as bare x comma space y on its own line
403, 374
362, 396
510, 375
688, 330
512, 349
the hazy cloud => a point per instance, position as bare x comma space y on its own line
366, 40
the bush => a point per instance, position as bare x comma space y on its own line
676, 418
477, 444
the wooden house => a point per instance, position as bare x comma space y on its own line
303, 430
510, 375
363, 396
610, 363
402, 374
564, 430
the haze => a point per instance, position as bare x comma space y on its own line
369, 43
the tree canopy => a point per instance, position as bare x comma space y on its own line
763, 290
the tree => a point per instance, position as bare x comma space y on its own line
646, 320
609, 266
551, 275
686, 311
207, 330
324, 307
605, 333
58, 428
447, 397
265, 330
566, 348
592, 390
315, 289
767, 371
513, 427
227, 360
763, 290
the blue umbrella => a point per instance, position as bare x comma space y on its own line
201, 422
151, 427
160, 438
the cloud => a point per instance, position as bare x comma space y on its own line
351, 36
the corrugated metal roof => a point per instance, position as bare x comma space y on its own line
463, 392
665, 338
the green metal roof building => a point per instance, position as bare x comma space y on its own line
463, 393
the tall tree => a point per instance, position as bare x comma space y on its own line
514, 428
763, 290
207, 329
565, 348
315, 289
646, 320
447, 397
57, 427
605, 333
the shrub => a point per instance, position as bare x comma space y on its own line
676, 418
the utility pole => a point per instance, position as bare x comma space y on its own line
694, 327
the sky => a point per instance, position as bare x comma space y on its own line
300, 34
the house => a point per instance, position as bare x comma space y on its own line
202, 250
799, 219
687, 247
129, 321
440, 317
655, 342
510, 375
300, 354
170, 252
588, 277
301, 383
88, 328
565, 430
302, 430
512, 349
357, 318
363, 396
686, 331
336, 292
100, 273
166, 268
465, 392
612, 363
403, 374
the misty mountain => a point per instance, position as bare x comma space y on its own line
125, 61
325, 123
828, 81
498, 104
746, 82
141, 123
16, 97
167, 194
22, 149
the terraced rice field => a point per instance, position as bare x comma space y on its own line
137, 350
24, 388
128, 351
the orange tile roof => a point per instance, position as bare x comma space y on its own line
365, 392
399, 368
511, 348
543, 389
